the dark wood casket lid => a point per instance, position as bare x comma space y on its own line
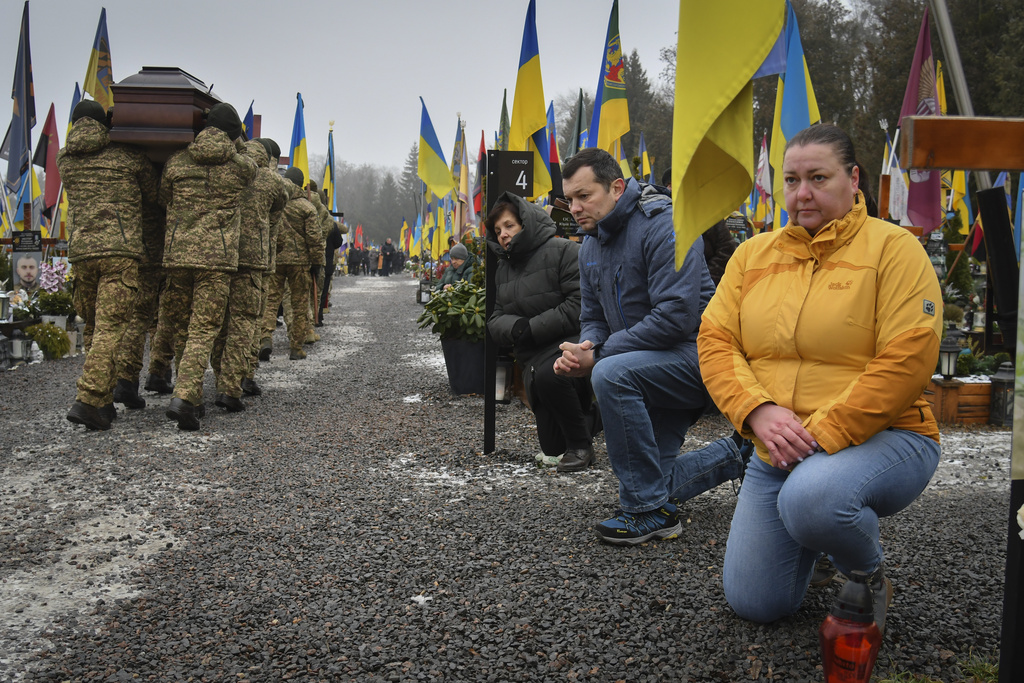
160, 109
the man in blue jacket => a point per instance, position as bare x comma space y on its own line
639, 321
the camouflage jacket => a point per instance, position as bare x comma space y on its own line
109, 185
323, 214
300, 242
265, 194
201, 187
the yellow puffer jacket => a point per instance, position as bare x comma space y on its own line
841, 327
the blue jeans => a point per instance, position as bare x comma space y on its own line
648, 400
827, 504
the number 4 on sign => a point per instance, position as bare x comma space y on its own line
521, 180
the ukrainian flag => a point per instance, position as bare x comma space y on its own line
98, 75
610, 120
432, 168
795, 105
298, 153
528, 129
249, 122
712, 158
646, 170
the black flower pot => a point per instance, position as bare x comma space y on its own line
464, 361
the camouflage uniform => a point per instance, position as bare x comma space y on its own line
276, 222
298, 248
233, 349
107, 185
201, 187
151, 279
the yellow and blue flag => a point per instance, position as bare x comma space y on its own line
18, 143
298, 153
610, 120
795, 105
99, 75
712, 158
249, 122
646, 171
527, 132
431, 167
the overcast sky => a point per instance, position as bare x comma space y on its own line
362, 64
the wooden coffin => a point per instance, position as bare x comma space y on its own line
160, 109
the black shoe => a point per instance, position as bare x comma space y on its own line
250, 388
230, 403
266, 348
881, 593
576, 460
90, 416
109, 411
160, 385
128, 393
319, 324
185, 413
824, 572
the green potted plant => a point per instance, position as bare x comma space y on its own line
458, 316
52, 341
56, 307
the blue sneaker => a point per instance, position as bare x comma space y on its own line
629, 528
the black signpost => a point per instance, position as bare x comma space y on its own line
506, 172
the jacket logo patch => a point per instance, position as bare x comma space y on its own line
841, 285
929, 308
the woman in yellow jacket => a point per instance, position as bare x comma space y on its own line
818, 346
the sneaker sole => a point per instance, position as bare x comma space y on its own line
661, 534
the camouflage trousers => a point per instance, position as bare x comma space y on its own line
257, 333
133, 344
105, 294
168, 341
232, 349
297, 280
200, 297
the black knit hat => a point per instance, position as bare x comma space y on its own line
294, 174
89, 109
224, 117
271, 147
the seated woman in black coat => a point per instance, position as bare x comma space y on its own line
536, 308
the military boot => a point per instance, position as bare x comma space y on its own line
297, 354
185, 413
89, 416
128, 393
229, 403
250, 388
266, 348
160, 384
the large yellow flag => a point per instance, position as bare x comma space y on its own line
713, 126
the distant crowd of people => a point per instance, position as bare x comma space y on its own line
381, 261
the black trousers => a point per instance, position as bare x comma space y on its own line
328, 274
562, 406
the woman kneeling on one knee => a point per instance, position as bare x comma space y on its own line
818, 346
536, 308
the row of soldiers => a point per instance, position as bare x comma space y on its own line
207, 250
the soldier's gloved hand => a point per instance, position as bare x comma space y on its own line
314, 271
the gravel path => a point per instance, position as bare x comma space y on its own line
348, 527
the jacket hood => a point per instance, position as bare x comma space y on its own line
538, 228
87, 136
211, 147
651, 199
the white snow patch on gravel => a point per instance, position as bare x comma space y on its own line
415, 398
434, 361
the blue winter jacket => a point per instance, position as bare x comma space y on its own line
633, 297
